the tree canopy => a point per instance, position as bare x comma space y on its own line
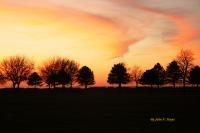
16, 69
85, 76
194, 77
34, 80
154, 76
185, 61
59, 71
119, 75
173, 73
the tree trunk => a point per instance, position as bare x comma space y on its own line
136, 84
184, 79
158, 86
35, 86
71, 85
174, 84
85, 86
151, 86
183, 83
63, 86
18, 85
120, 85
54, 85
14, 85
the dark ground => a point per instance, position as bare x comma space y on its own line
99, 110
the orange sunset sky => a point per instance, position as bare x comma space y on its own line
99, 33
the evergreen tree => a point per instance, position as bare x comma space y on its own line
85, 77
173, 73
34, 80
154, 76
194, 76
119, 75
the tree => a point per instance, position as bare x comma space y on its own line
194, 76
72, 70
147, 78
185, 59
85, 76
16, 69
63, 77
34, 80
49, 71
154, 76
173, 73
159, 75
119, 75
2, 79
59, 71
136, 74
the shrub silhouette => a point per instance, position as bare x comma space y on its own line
194, 76
34, 80
85, 76
119, 75
173, 73
16, 69
154, 76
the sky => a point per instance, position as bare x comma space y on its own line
100, 33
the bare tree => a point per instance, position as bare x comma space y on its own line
72, 68
59, 71
185, 59
2, 78
136, 74
16, 69
50, 70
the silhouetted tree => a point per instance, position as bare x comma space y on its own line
85, 76
2, 79
185, 59
59, 71
136, 74
34, 80
119, 75
147, 78
173, 73
16, 69
63, 77
154, 76
194, 76
72, 69
159, 75
49, 71
51, 79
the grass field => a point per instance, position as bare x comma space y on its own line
100, 110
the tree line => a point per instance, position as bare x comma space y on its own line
63, 72
54, 73
180, 70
